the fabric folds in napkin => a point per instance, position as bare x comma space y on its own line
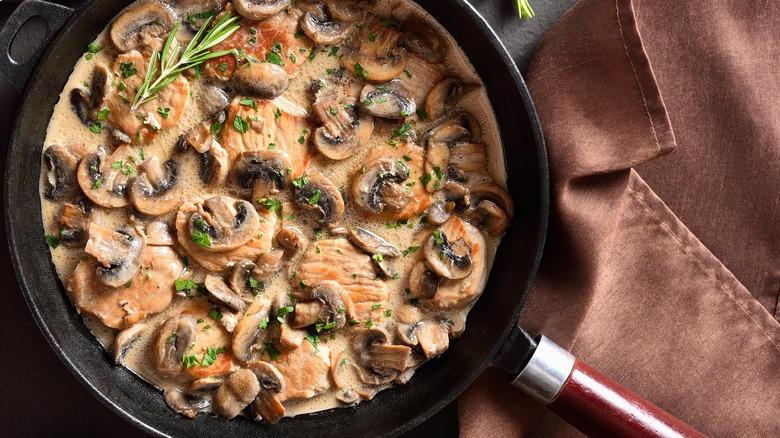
662, 122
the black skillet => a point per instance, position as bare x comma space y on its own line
587, 399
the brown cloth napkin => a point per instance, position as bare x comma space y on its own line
662, 269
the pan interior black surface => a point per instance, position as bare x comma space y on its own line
392, 411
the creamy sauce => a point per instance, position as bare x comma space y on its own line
66, 129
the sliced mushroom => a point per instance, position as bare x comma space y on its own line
283, 333
371, 54
443, 97
455, 323
251, 333
380, 186
423, 282
222, 292
459, 127
266, 170
159, 233
345, 130
347, 396
454, 293
260, 79
373, 243
269, 264
214, 165
379, 362
188, 405
238, 391
223, 223
125, 340
294, 243
390, 100
137, 26
335, 302
422, 39
74, 222
118, 251
449, 259
325, 32
408, 321
337, 367
206, 384
433, 338
259, 9
492, 192
466, 159
455, 198
171, 343
307, 314
99, 87
313, 7
242, 280
213, 100
437, 159
61, 164
267, 405
320, 199
104, 179
81, 103
155, 191
345, 10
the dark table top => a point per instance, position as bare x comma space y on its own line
41, 397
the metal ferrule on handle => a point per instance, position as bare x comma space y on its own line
546, 372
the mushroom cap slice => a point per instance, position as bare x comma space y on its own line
390, 100
242, 280
336, 304
60, 177
345, 10
103, 179
214, 165
81, 103
186, 404
155, 191
159, 233
267, 405
372, 55
221, 291
457, 293
437, 159
118, 251
171, 343
443, 97
492, 192
423, 282
449, 259
373, 243
490, 216
320, 199
345, 129
325, 32
206, 384
125, 340
378, 361
236, 393
380, 187
251, 332
137, 25
259, 9
261, 79
422, 39
433, 337
213, 101
74, 222
267, 168
223, 223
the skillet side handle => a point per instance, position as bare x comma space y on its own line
17, 72
592, 402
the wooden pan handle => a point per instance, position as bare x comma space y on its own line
592, 402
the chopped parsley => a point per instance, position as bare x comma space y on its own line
314, 197
377, 257
263, 324
240, 124
437, 237
333, 51
201, 238
300, 182
282, 312
181, 285
248, 101
277, 113
273, 205
313, 340
273, 352
409, 250
127, 69
360, 71
52, 241
215, 127
103, 114
163, 112
216, 313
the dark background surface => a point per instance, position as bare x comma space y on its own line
40, 396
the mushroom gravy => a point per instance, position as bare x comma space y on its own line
286, 229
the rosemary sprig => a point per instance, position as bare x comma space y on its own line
196, 52
524, 9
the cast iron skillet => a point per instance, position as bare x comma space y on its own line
392, 411
587, 399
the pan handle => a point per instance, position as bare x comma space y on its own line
53, 16
591, 401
